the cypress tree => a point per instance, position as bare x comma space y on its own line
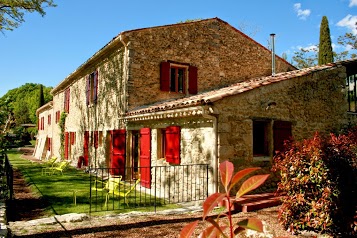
325, 46
41, 97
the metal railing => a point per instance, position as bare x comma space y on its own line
119, 188
6, 178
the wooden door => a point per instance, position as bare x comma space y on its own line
282, 132
145, 157
118, 148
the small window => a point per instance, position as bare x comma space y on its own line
92, 88
352, 92
100, 139
58, 115
67, 94
49, 119
179, 78
72, 138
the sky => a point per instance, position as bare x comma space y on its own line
45, 50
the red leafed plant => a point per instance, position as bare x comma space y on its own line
225, 226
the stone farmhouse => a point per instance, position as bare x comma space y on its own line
199, 92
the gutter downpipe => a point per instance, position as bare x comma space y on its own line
125, 74
207, 113
272, 54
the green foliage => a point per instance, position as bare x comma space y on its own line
62, 126
12, 11
219, 226
319, 178
305, 58
23, 102
325, 45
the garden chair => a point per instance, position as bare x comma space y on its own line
121, 192
109, 184
59, 167
48, 164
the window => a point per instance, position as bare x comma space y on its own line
352, 92
178, 77
269, 137
92, 88
72, 137
66, 100
49, 119
49, 144
161, 142
58, 115
41, 122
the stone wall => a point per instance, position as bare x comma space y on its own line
222, 54
315, 102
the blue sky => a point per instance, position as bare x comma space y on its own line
46, 50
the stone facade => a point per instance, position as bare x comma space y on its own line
222, 54
235, 89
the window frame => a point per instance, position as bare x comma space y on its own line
92, 88
189, 80
351, 85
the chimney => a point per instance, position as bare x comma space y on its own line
272, 36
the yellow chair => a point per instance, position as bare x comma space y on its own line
121, 192
59, 167
106, 185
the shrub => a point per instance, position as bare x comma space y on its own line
220, 226
319, 179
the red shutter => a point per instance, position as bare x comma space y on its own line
192, 81
95, 82
165, 76
282, 132
66, 145
145, 157
118, 149
96, 139
49, 144
88, 90
85, 148
172, 144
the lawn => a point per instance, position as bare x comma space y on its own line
70, 192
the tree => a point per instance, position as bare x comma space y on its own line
41, 97
325, 46
12, 11
306, 57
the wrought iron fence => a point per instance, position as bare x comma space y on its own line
134, 187
6, 178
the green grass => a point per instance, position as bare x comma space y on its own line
58, 191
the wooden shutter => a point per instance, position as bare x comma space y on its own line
88, 90
145, 157
66, 145
165, 76
49, 144
118, 149
96, 139
95, 87
282, 132
172, 144
86, 148
192, 81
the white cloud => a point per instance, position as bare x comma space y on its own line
353, 3
309, 48
302, 14
349, 22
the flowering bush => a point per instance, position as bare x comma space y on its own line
319, 178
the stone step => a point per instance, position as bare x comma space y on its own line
254, 202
